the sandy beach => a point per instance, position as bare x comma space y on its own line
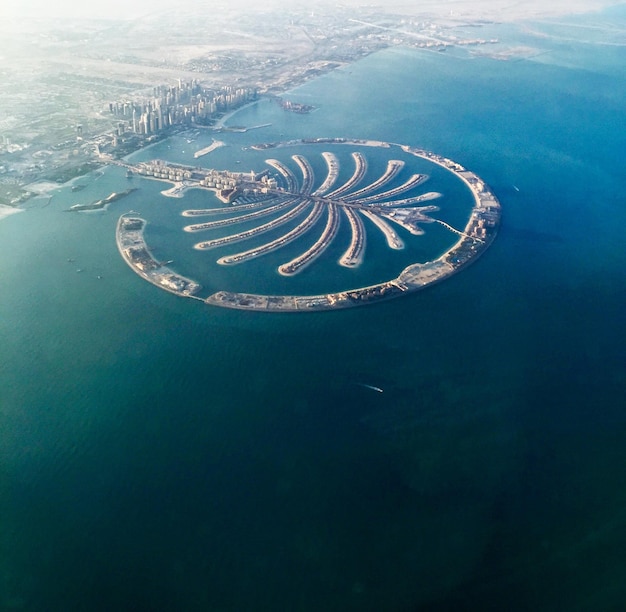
5, 211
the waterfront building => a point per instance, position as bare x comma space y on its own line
185, 103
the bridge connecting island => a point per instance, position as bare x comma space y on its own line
252, 196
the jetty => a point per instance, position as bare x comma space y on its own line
216, 144
103, 203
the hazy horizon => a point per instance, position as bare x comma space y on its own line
118, 9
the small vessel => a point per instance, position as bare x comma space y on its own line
516, 187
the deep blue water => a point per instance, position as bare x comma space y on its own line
158, 454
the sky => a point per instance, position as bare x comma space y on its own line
116, 9
73, 8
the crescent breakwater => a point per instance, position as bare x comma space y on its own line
132, 246
478, 233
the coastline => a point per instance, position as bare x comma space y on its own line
7, 211
219, 124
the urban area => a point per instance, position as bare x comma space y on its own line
79, 92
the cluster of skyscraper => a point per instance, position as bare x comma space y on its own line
184, 103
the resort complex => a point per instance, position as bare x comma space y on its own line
277, 197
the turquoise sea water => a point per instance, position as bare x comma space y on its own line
158, 454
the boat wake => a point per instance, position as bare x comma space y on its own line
372, 387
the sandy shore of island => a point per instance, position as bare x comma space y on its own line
5, 211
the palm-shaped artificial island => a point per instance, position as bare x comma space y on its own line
287, 197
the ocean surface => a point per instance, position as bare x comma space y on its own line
160, 454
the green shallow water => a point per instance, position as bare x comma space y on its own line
158, 454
